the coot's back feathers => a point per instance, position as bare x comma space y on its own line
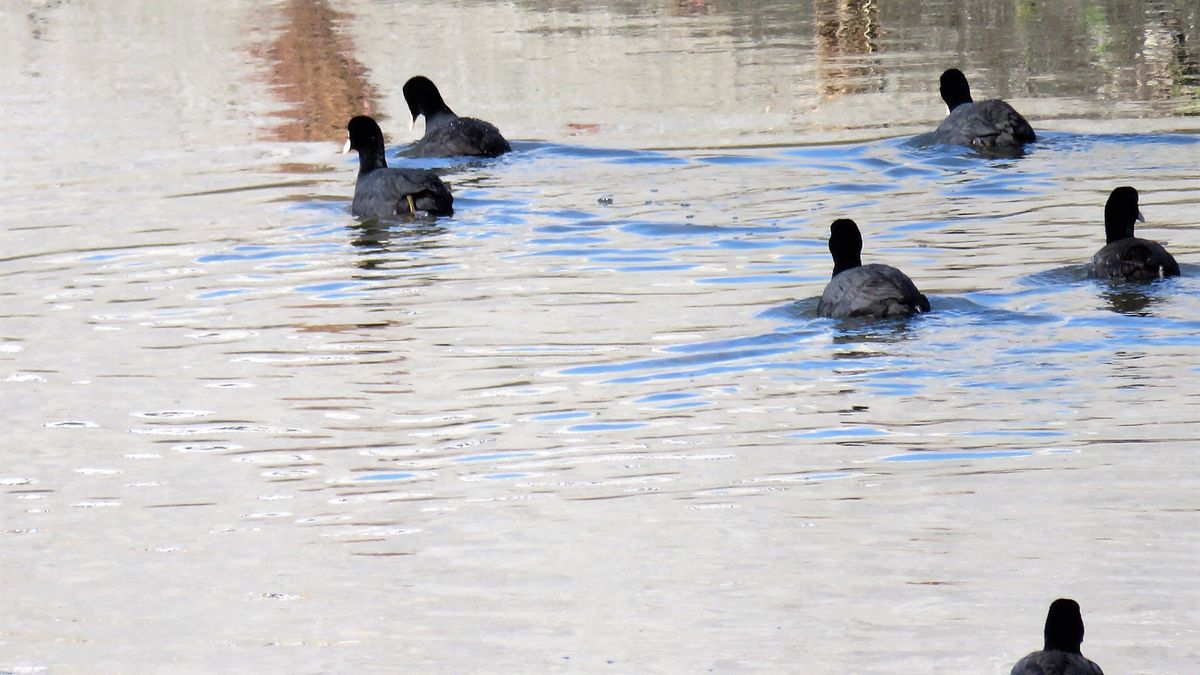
986, 125
1056, 663
447, 134
1125, 256
871, 291
1060, 654
383, 192
461, 136
867, 291
1133, 260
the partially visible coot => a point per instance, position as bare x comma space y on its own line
447, 134
1060, 653
990, 125
867, 291
1124, 256
383, 192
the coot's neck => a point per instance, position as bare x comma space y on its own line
1062, 647
951, 106
846, 261
955, 97
1115, 230
440, 115
1062, 642
371, 158
424, 99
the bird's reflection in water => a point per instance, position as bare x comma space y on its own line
1133, 300
871, 335
380, 241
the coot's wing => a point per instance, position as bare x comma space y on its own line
462, 136
871, 291
1055, 662
986, 124
384, 193
1011, 128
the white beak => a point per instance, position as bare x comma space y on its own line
346, 147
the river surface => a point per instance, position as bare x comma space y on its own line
591, 422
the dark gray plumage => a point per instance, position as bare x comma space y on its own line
1060, 654
868, 291
447, 134
986, 125
1124, 256
383, 192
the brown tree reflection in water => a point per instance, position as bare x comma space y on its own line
313, 70
847, 35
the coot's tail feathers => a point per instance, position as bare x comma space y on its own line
428, 191
436, 199
1011, 128
906, 306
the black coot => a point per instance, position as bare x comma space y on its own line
987, 125
447, 134
869, 291
1124, 256
1060, 655
383, 192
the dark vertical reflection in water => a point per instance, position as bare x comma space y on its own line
1109, 51
38, 19
847, 35
1131, 300
314, 71
378, 243
1183, 64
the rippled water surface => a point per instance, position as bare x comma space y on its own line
591, 422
